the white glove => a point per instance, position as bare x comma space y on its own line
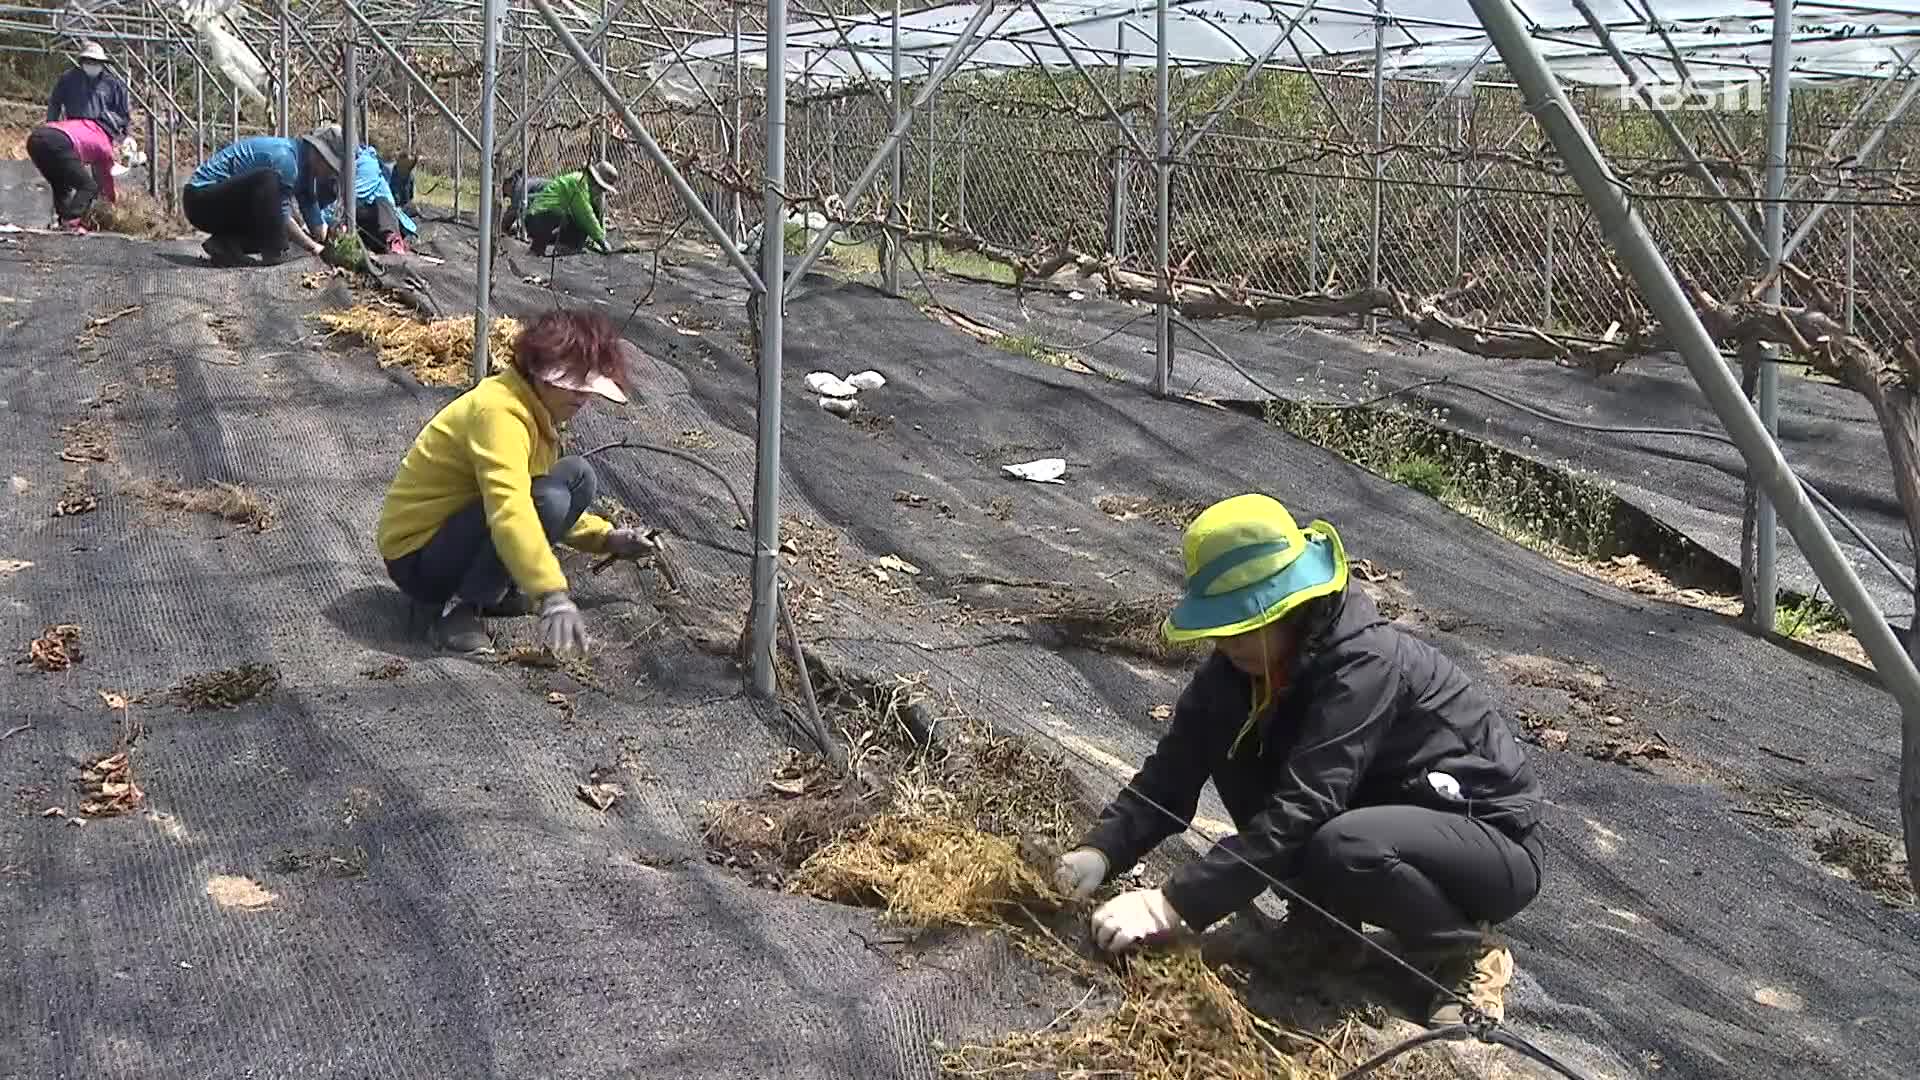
561, 629
1079, 872
1136, 918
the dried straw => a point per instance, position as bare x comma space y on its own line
439, 353
926, 872
134, 213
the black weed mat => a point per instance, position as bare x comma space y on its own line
1690, 764
380, 865
377, 864
1692, 485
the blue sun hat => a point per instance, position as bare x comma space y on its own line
1250, 565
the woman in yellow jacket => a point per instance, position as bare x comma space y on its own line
484, 494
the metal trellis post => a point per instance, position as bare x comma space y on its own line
736, 213
459, 151
1766, 552
349, 133
773, 255
890, 276
1117, 205
153, 94
1163, 197
492, 16
1379, 143
283, 61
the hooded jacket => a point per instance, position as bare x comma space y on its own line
1367, 712
571, 196
80, 96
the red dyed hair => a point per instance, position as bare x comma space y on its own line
577, 343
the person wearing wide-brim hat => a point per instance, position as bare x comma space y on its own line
91, 90
258, 195
569, 210
1361, 768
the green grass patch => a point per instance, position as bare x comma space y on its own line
1808, 617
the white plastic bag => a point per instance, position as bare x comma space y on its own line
1044, 471
841, 407
830, 385
867, 380
231, 56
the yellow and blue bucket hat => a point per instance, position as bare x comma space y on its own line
1248, 565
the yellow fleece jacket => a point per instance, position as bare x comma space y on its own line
487, 444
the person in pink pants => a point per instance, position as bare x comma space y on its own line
76, 158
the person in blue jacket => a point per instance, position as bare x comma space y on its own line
91, 91
262, 193
384, 227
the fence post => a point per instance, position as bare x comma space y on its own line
960, 193
173, 131
927, 216
153, 95
1546, 307
1459, 181
1853, 209
1163, 198
459, 149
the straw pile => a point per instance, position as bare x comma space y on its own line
1178, 1017
960, 831
1126, 627
926, 872
438, 353
229, 502
134, 213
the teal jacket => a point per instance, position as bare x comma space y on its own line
568, 194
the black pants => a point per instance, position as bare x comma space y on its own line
74, 187
461, 561
1428, 876
243, 212
379, 223
547, 229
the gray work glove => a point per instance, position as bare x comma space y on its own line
561, 629
630, 543
1079, 872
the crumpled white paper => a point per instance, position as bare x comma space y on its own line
830, 385
1044, 471
840, 406
867, 380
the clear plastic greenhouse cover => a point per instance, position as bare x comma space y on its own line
1722, 40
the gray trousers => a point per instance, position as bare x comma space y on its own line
461, 560
1429, 876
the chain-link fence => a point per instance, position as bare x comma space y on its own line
1292, 189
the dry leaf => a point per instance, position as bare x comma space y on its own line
895, 562
1162, 712
557, 698
116, 700
789, 786
53, 811
600, 796
13, 566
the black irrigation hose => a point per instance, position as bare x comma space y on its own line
1486, 1033
1847, 523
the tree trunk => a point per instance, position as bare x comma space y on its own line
1899, 413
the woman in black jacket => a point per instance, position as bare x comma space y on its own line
1360, 766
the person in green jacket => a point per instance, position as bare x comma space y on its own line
469, 523
569, 209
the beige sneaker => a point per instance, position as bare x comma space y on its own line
1478, 974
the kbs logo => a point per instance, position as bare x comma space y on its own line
1750, 96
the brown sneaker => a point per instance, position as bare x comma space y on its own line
1478, 975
